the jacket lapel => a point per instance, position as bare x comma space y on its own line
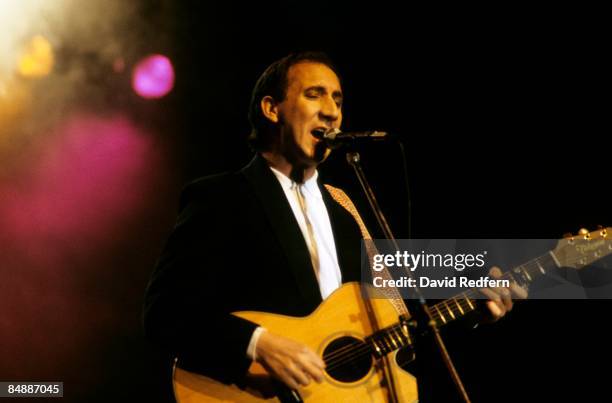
285, 226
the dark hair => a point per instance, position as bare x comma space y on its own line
273, 82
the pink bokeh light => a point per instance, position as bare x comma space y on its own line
91, 173
80, 193
153, 77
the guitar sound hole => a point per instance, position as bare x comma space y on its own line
347, 359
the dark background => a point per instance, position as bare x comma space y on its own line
503, 118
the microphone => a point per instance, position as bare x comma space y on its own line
335, 138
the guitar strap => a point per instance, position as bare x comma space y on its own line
390, 293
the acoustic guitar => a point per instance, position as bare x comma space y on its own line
359, 338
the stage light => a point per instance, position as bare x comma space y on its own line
153, 77
15, 98
119, 65
87, 174
37, 60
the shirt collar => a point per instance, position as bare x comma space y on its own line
310, 185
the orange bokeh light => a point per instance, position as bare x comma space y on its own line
37, 59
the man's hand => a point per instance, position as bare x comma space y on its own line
500, 298
291, 362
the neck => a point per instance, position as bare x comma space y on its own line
297, 173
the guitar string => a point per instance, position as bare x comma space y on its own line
334, 354
346, 351
438, 317
337, 353
533, 266
357, 351
354, 356
351, 354
384, 332
348, 354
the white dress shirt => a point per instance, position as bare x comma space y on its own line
328, 272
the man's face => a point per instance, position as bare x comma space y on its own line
313, 101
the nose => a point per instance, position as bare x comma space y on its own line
330, 111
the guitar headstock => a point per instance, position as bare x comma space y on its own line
578, 251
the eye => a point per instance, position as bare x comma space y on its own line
338, 99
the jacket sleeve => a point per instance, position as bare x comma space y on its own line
186, 310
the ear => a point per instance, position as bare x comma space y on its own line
269, 108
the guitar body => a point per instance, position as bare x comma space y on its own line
344, 317
337, 328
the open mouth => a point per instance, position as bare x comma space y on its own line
318, 133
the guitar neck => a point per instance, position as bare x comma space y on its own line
397, 336
573, 252
457, 307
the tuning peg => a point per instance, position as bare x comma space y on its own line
585, 233
568, 235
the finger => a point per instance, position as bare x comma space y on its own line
494, 309
298, 374
505, 294
505, 297
313, 357
312, 364
517, 291
313, 371
319, 362
502, 307
496, 300
495, 272
490, 294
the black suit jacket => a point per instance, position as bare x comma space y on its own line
236, 246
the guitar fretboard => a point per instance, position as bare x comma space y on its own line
570, 252
457, 307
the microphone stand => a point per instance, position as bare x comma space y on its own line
417, 305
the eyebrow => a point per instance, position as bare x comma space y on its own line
337, 95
